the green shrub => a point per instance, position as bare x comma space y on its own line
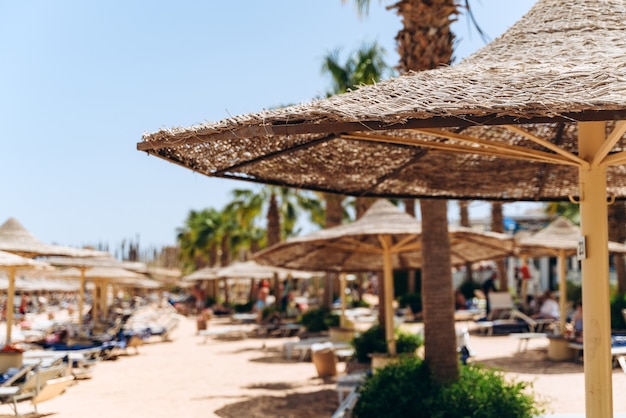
574, 292
320, 319
414, 300
618, 302
209, 301
359, 304
242, 307
467, 289
406, 389
373, 341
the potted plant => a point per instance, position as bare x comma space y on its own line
370, 346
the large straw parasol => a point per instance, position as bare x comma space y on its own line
561, 239
82, 264
252, 270
14, 238
12, 263
206, 273
538, 114
383, 239
102, 275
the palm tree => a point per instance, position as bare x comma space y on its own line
465, 221
364, 66
198, 239
425, 42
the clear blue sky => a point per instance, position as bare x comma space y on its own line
82, 80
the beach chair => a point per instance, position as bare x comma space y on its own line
13, 377
622, 362
501, 304
346, 407
40, 384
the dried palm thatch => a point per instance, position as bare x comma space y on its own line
433, 133
253, 270
560, 237
14, 238
357, 247
108, 274
9, 260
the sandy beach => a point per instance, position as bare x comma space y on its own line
251, 377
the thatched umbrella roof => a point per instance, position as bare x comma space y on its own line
253, 270
14, 238
9, 260
561, 63
561, 236
207, 273
105, 274
561, 239
356, 247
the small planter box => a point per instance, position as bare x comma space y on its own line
341, 335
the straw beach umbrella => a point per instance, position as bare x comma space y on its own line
101, 276
252, 270
11, 263
538, 114
383, 239
82, 264
14, 238
561, 239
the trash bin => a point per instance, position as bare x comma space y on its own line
324, 358
201, 323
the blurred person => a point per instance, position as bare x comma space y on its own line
549, 308
489, 286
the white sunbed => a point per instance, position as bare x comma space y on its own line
42, 384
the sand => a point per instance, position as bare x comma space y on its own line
250, 377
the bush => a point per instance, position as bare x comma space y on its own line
373, 341
414, 300
467, 289
406, 389
242, 307
321, 319
360, 304
574, 292
618, 302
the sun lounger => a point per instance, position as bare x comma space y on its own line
346, 407
11, 377
618, 349
233, 331
33, 387
525, 337
348, 383
303, 347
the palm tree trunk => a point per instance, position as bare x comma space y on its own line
425, 42
437, 292
497, 225
333, 217
409, 208
273, 222
465, 221
362, 204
